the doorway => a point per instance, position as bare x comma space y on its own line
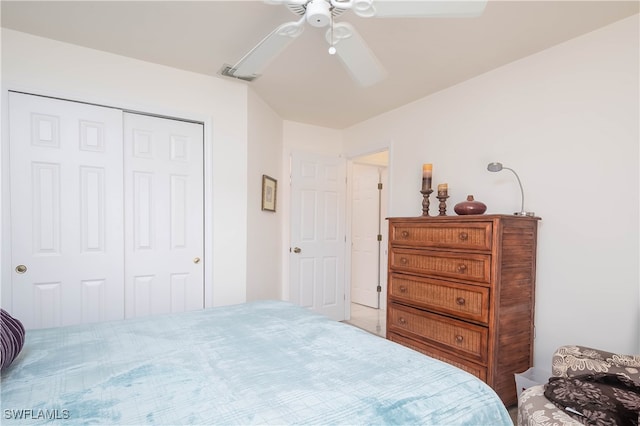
368, 248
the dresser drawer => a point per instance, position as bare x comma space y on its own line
465, 266
460, 300
467, 236
457, 337
477, 370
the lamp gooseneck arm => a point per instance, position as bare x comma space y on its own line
519, 183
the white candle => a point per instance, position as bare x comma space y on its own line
443, 188
427, 170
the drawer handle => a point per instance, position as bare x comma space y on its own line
459, 338
404, 260
402, 321
404, 234
463, 236
403, 289
460, 301
462, 268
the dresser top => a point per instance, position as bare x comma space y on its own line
466, 218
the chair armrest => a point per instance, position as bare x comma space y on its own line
571, 361
536, 410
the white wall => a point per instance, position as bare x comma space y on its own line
48, 67
264, 228
566, 120
308, 138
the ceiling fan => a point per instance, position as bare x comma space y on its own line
344, 41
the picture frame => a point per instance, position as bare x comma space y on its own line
269, 193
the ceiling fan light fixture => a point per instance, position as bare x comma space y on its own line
318, 13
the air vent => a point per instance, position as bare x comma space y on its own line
228, 70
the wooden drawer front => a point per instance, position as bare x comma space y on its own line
460, 300
475, 369
459, 337
466, 266
472, 236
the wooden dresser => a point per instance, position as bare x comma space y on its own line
461, 289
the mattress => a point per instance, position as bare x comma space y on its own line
267, 362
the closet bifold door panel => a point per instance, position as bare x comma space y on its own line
66, 179
164, 228
106, 213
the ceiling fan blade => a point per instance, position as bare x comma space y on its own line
420, 8
355, 55
259, 57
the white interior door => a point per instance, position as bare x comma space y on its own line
164, 216
365, 228
318, 188
66, 211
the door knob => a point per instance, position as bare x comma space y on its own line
196, 260
297, 250
21, 269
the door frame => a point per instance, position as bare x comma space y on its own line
5, 196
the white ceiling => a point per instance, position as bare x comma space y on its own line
304, 83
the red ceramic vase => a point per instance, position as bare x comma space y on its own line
470, 207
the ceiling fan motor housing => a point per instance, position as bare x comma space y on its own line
318, 13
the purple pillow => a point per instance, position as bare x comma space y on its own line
12, 336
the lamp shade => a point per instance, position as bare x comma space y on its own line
494, 167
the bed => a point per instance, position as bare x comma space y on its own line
267, 362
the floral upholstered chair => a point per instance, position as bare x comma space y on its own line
535, 409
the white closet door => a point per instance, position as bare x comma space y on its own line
163, 163
66, 211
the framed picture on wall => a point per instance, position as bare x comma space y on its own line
269, 192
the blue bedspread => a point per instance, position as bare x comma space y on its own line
257, 363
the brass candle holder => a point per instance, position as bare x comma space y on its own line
442, 196
425, 201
